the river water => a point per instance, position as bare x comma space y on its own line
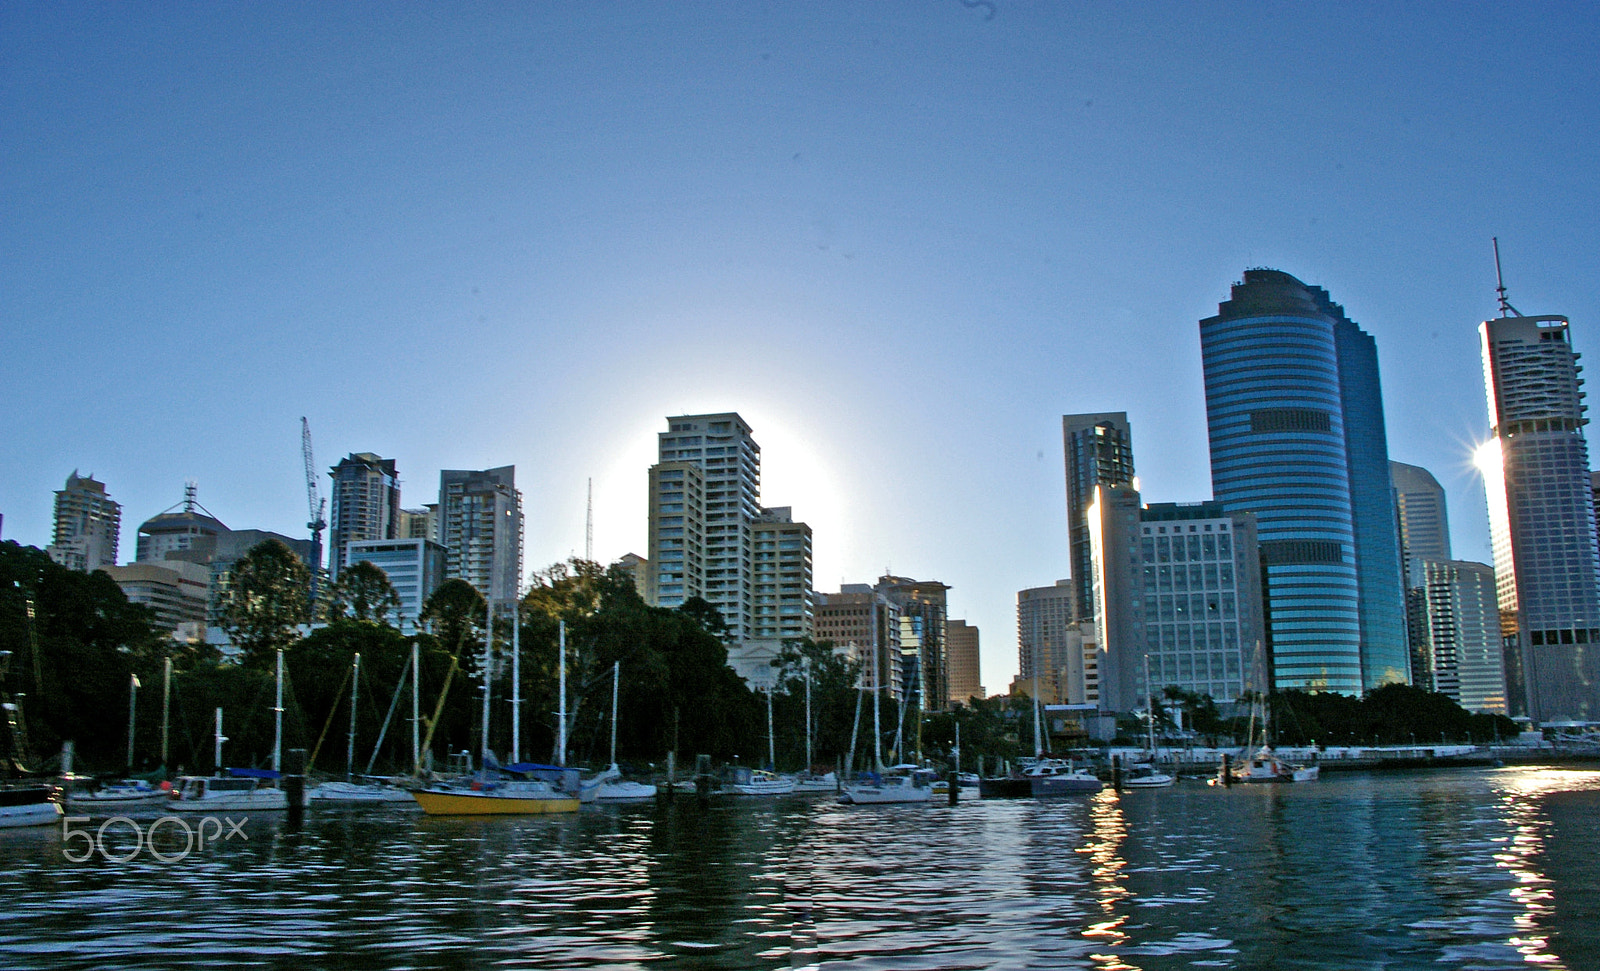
1477, 869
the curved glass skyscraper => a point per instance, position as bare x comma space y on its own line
1295, 420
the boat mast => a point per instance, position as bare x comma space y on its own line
1149, 706
516, 682
772, 750
220, 740
166, 705
350, 740
561, 708
808, 714
133, 697
277, 720
416, 720
616, 678
488, 660
877, 686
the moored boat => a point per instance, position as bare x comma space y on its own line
521, 797
890, 787
1053, 777
28, 806
361, 794
116, 797
1144, 775
243, 790
745, 781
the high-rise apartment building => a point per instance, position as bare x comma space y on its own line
88, 524
366, 504
1295, 421
966, 679
1541, 515
1200, 592
419, 523
780, 576
705, 493
480, 526
1049, 642
1099, 451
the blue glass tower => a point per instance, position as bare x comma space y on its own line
1295, 420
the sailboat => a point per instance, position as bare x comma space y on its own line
1144, 774
372, 792
1263, 764
257, 790
538, 789
609, 786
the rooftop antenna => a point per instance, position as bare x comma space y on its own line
191, 489
1506, 310
588, 527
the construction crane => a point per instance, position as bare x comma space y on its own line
317, 504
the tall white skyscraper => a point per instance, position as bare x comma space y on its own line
1541, 515
705, 495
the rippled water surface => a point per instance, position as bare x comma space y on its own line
1480, 869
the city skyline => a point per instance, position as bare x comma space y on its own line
902, 241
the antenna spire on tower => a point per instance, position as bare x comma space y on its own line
588, 527
1506, 310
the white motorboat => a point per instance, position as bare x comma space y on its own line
1052, 777
890, 787
610, 786
805, 782
117, 797
361, 794
1144, 775
28, 806
757, 782
244, 791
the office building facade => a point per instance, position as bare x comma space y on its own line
1099, 451
1295, 425
1541, 516
415, 568
1460, 634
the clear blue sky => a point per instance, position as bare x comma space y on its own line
902, 239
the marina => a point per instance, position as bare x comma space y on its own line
1479, 868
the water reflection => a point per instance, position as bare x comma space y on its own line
1488, 870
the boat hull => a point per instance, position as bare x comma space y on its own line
436, 803
1004, 788
28, 808
877, 796
1050, 787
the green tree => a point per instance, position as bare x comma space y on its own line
266, 601
833, 679
74, 643
363, 592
